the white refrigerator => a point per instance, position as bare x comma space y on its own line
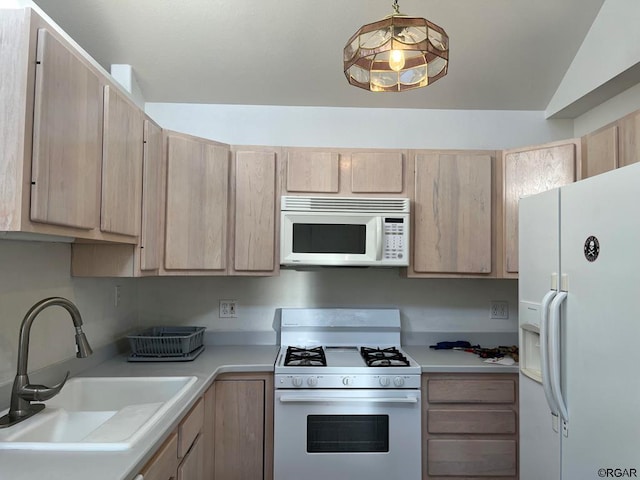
579, 314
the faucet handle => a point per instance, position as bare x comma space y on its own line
40, 393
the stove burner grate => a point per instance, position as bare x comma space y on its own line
383, 357
305, 357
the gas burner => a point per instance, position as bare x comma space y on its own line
383, 357
305, 357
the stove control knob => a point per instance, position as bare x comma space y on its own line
312, 381
398, 381
297, 381
384, 381
346, 381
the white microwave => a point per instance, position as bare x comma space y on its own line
344, 231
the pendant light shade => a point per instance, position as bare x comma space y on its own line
396, 53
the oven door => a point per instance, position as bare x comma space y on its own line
325, 238
372, 434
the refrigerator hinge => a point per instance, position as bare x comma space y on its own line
565, 428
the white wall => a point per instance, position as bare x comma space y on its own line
427, 305
31, 271
611, 47
360, 127
126, 77
607, 112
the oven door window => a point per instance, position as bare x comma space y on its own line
347, 433
329, 238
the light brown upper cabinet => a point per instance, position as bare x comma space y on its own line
144, 258
51, 131
600, 151
152, 198
344, 172
614, 145
312, 171
196, 205
255, 211
528, 171
629, 139
121, 165
377, 172
453, 213
67, 138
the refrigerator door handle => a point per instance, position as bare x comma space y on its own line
554, 353
544, 350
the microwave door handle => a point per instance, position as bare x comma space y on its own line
379, 238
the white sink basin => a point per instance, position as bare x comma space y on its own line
97, 414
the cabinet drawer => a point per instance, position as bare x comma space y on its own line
164, 463
471, 421
474, 458
190, 428
471, 391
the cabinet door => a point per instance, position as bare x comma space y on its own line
452, 228
377, 172
196, 205
255, 212
312, 171
67, 138
600, 151
121, 165
629, 139
239, 429
164, 463
192, 467
151, 197
208, 432
527, 172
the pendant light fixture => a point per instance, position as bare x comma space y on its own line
396, 53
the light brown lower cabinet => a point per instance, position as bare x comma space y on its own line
192, 466
181, 456
164, 464
227, 435
242, 427
470, 426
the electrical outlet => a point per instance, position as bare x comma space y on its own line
228, 308
499, 309
116, 295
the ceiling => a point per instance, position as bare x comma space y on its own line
504, 54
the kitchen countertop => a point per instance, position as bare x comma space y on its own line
57, 465
454, 361
215, 360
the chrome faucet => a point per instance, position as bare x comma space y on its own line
23, 393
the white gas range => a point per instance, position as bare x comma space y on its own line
347, 397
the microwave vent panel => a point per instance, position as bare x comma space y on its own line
345, 204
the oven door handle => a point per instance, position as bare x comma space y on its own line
302, 399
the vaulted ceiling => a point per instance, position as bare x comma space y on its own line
504, 54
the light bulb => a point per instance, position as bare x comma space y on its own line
396, 60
